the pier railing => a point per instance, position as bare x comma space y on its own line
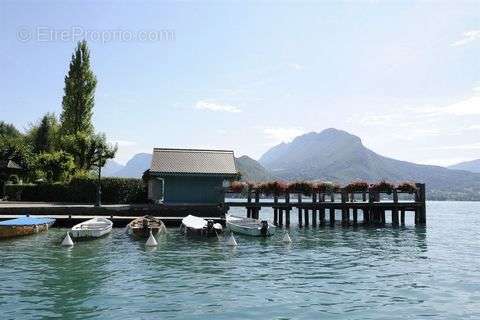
315, 208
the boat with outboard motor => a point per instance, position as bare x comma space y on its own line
198, 226
24, 226
249, 226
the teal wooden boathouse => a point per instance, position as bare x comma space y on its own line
190, 175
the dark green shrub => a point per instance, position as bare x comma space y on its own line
82, 190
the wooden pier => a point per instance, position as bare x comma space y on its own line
323, 205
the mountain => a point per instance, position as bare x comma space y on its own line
111, 167
251, 170
336, 155
135, 167
472, 166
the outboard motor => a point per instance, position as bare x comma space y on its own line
264, 229
209, 224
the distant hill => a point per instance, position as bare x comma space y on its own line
472, 166
111, 167
135, 167
251, 170
336, 155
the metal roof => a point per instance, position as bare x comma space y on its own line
9, 164
193, 161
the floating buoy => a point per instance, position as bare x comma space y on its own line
67, 241
162, 229
231, 241
151, 242
286, 238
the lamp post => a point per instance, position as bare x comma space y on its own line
99, 187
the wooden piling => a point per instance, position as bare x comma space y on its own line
322, 210
355, 216
402, 217
420, 197
314, 210
275, 210
280, 218
287, 210
395, 209
300, 223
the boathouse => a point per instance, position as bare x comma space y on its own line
190, 175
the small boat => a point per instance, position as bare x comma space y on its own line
193, 225
249, 226
93, 228
24, 226
142, 226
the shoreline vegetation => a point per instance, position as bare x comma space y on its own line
58, 150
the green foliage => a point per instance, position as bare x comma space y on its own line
15, 149
44, 136
78, 99
88, 150
55, 166
8, 130
82, 190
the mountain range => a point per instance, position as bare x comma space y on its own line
472, 166
336, 155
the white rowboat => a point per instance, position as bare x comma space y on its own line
93, 228
249, 226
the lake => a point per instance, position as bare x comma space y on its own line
330, 273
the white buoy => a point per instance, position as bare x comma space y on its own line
67, 241
286, 238
231, 241
151, 242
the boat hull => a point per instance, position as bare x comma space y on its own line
249, 227
93, 228
141, 227
197, 226
18, 231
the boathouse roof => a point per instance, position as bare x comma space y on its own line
193, 161
9, 164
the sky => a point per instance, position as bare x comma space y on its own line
403, 76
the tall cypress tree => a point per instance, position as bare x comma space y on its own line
79, 99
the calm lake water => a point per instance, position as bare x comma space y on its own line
329, 273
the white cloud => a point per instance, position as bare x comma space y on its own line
277, 135
468, 36
216, 107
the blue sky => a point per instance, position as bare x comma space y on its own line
402, 76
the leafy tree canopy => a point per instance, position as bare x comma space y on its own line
79, 91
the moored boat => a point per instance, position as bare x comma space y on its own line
93, 228
141, 226
24, 226
249, 226
193, 225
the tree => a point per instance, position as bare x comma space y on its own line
79, 91
56, 166
8, 130
44, 136
88, 150
15, 149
